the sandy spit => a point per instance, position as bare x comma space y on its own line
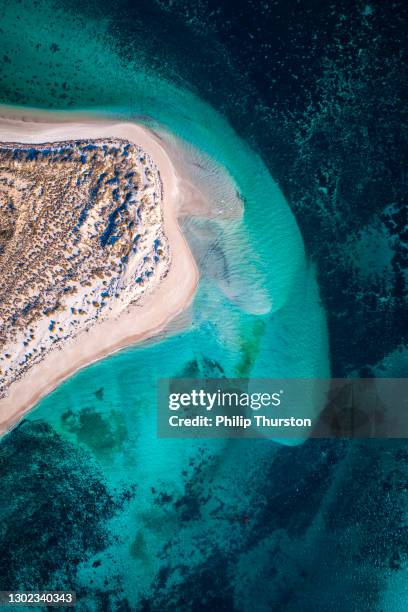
144, 320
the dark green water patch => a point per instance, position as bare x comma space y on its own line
202, 367
251, 339
138, 548
103, 434
99, 393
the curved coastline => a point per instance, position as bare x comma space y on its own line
143, 320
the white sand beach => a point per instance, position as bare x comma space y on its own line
156, 309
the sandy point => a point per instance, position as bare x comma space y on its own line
155, 310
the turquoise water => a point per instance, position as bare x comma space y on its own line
108, 409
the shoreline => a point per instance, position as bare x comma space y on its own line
145, 319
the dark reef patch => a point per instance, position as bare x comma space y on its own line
208, 588
296, 481
54, 509
324, 530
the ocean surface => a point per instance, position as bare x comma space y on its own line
91, 499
